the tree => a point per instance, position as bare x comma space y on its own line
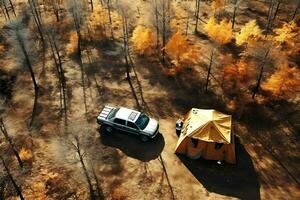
261, 71
209, 70
249, 32
19, 38
77, 147
17, 188
76, 9
235, 7
181, 52
221, 32
60, 73
218, 6
284, 83
296, 10
11, 143
144, 39
286, 33
37, 19
163, 16
109, 16
197, 9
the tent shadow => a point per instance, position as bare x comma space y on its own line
132, 146
240, 180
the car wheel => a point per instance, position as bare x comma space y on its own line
144, 138
108, 129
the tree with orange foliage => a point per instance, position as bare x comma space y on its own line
284, 83
237, 75
249, 32
217, 6
219, 32
237, 78
144, 40
180, 51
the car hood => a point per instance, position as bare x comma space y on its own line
151, 126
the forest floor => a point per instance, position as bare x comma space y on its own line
267, 149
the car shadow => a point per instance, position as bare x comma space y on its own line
240, 180
132, 146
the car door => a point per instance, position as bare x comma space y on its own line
120, 124
132, 128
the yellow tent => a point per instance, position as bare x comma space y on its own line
207, 134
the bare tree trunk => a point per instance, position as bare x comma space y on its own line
270, 15
22, 45
296, 10
6, 9
98, 186
209, 70
110, 20
164, 37
187, 25
12, 7
56, 8
157, 25
11, 143
85, 171
276, 10
125, 43
60, 74
234, 14
3, 11
260, 74
197, 14
37, 21
92, 5
36, 88
17, 188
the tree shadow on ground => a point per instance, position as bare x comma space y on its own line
226, 179
132, 146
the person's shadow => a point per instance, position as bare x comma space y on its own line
240, 180
132, 146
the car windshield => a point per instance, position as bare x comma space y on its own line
142, 121
113, 113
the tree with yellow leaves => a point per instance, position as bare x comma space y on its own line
180, 51
144, 40
287, 38
284, 83
249, 32
286, 33
219, 32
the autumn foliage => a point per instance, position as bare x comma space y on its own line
96, 23
144, 40
286, 33
249, 32
26, 155
221, 32
72, 46
284, 83
237, 75
181, 52
218, 5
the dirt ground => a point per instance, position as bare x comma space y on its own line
267, 148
